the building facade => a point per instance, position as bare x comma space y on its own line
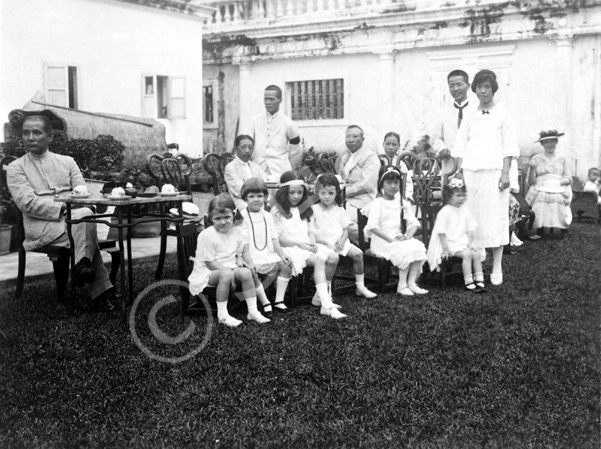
133, 57
382, 64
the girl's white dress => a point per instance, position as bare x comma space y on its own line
330, 223
296, 229
259, 229
213, 246
455, 223
386, 216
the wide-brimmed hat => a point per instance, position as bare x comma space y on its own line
548, 134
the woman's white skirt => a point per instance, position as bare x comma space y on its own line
489, 206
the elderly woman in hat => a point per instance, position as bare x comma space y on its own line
550, 193
485, 146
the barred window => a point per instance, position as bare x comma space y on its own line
317, 99
208, 104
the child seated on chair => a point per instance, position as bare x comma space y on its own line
452, 236
293, 214
387, 239
265, 249
592, 183
223, 260
331, 222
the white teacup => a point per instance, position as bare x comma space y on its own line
80, 190
118, 191
168, 188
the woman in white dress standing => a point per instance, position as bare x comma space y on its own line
485, 146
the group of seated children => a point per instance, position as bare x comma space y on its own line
298, 233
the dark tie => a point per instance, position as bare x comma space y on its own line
460, 115
484, 111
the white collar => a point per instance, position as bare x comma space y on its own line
463, 103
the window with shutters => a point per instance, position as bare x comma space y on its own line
163, 96
316, 99
60, 85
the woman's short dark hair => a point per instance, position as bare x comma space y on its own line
485, 75
253, 185
393, 134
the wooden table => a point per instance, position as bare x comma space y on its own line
124, 214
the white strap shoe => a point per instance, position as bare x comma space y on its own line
332, 312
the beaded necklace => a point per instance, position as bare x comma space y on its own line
253, 229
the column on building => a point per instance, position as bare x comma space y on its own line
245, 102
386, 92
565, 86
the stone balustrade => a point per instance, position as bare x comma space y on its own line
231, 15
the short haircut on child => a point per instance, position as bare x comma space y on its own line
326, 180
220, 204
453, 186
253, 185
593, 170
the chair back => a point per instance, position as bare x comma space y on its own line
170, 170
427, 181
214, 165
7, 198
189, 234
326, 162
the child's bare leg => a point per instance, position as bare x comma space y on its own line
466, 267
402, 287
478, 274
281, 285
245, 276
331, 265
261, 286
357, 255
223, 280
319, 274
415, 269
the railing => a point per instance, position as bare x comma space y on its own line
236, 12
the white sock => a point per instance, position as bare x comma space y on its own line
280, 291
261, 295
251, 305
222, 309
360, 280
324, 295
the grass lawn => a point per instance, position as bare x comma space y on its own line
517, 367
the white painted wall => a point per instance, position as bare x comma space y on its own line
112, 44
537, 87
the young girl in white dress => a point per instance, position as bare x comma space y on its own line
453, 235
265, 249
331, 222
292, 214
222, 260
387, 239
